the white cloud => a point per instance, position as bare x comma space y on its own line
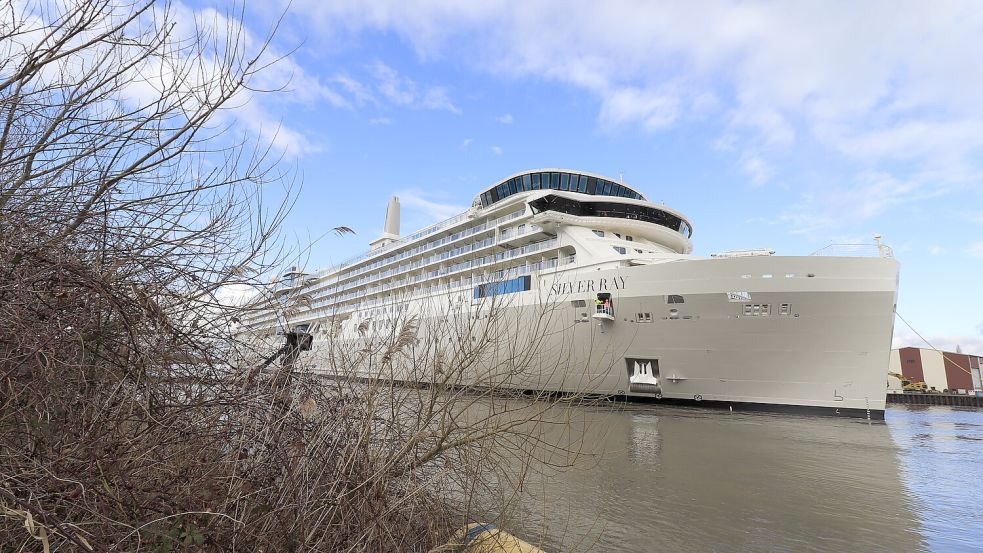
755, 167
466, 143
505, 119
654, 108
865, 197
968, 343
432, 210
359, 93
935, 250
402, 91
184, 75
436, 97
497, 150
876, 83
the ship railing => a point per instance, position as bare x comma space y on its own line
416, 235
855, 250
423, 247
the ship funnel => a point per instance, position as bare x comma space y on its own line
392, 217
390, 232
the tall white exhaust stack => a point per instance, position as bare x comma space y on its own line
390, 232
392, 217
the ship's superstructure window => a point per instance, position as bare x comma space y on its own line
476, 254
511, 286
571, 182
611, 209
673, 298
757, 309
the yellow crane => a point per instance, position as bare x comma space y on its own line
907, 385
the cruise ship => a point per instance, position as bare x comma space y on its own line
579, 283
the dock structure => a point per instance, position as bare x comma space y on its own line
959, 400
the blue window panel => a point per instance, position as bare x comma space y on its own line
564, 181
535, 181
582, 187
512, 187
592, 185
511, 286
606, 188
526, 184
555, 181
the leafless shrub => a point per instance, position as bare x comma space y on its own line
132, 418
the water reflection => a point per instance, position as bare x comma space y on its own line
941, 452
707, 480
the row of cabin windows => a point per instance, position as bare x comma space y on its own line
764, 309
671, 299
600, 234
557, 181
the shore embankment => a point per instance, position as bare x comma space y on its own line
955, 400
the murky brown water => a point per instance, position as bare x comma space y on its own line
677, 479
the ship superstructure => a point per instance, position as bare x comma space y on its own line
638, 314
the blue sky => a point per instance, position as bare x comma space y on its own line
779, 125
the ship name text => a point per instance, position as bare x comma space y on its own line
588, 285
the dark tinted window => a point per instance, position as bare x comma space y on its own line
583, 184
559, 181
612, 209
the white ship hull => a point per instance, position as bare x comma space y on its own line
827, 354
567, 282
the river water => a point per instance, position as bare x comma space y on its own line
689, 479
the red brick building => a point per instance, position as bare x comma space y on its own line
939, 370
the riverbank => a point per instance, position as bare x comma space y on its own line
955, 400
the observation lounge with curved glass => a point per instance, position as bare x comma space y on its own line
557, 180
618, 210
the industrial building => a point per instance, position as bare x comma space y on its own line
941, 371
